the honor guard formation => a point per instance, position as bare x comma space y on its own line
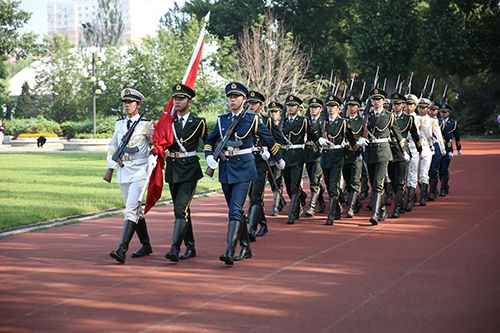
397, 147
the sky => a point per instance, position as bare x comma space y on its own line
38, 21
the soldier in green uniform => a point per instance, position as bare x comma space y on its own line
275, 110
182, 170
378, 152
352, 163
261, 155
313, 158
397, 167
336, 131
295, 129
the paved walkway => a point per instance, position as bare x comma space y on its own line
434, 270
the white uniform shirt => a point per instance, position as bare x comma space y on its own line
429, 129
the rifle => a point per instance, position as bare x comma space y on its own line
432, 89
344, 100
218, 154
273, 179
385, 82
118, 154
397, 82
363, 90
443, 97
368, 105
408, 87
425, 86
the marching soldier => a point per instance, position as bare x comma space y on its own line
381, 125
261, 154
237, 169
450, 130
436, 158
397, 167
352, 163
412, 174
429, 129
182, 170
313, 158
275, 110
295, 128
337, 130
132, 175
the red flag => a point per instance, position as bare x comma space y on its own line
163, 136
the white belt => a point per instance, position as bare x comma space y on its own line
310, 143
379, 140
178, 154
254, 149
237, 151
333, 147
294, 146
137, 160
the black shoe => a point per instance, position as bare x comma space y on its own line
377, 202
173, 254
331, 211
189, 253
233, 233
142, 233
180, 228
292, 213
262, 230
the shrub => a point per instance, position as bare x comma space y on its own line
43, 125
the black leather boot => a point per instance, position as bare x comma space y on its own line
331, 211
388, 193
276, 203
233, 231
254, 218
351, 203
423, 194
142, 233
312, 205
177, 237
432, 189
411, 199
293, 210
338, 210
444, 186
245, 250
376, 205
398, 201
321, 200
128, 232
303, 198
190, 251
262, 224
364, 188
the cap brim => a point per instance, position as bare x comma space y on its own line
130, 99
377, 95
332, 103
353, 103
182, 95
235, 92
315, 104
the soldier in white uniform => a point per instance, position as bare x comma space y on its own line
412, 176
132, 176
429, 130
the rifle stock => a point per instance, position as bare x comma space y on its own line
209, 171
108, 175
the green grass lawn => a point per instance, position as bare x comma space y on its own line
41, 187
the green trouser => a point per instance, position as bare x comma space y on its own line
397, 174
292, 176
257, 187
332, 179
314, 173
377, 172
352, 175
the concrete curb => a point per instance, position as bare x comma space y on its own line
85, 217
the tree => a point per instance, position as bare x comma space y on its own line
25, 107
109, 23
270, 59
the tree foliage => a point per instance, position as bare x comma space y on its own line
109, 23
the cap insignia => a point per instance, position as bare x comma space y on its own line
290, 98
376, 91
252, 94
127, 92
233, 86
178, 87
352, 98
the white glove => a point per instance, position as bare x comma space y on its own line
111, 164
152, 160
322, 141
450, 155
406, 156
460, 152
265, 155
362, 142
281, 164
359, 157
212, 163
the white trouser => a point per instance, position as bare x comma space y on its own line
424, 166
412, 177
130, 193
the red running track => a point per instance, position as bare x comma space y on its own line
436, 269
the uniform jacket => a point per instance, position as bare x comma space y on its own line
275, 132
184, 169
295, 132
450, 130
135, 164
408, 129
240, 168
337, 131
313, 152
381, 127
356, 125
429, 130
